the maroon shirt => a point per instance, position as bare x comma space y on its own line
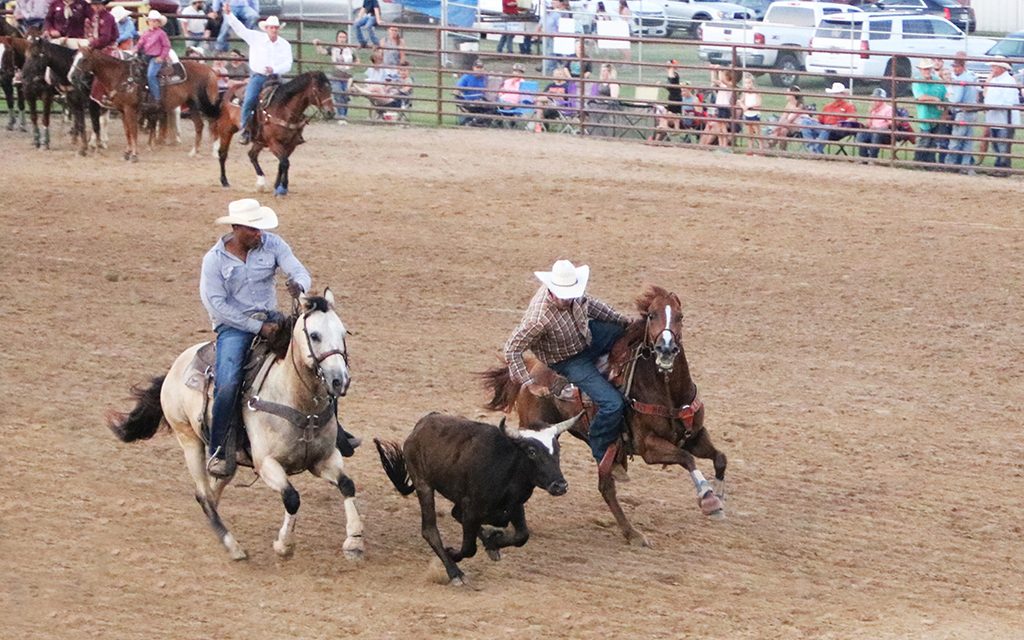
70, 24
101, 29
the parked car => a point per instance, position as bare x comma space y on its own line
786, 29
647, 18
688, 15
961, 16
1010, 48
756, 7
843, 45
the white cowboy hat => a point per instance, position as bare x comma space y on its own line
248, 213
120, 13
837, 87
1000, 63
925, 63
272, 21
156, 15
565, 280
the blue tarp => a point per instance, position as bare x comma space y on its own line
461, 13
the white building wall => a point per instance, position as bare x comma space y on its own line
999, 15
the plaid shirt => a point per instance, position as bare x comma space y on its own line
554, 334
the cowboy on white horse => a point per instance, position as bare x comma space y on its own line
237, 289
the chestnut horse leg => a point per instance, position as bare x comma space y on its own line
254, 152
224, 142
282, 153
131, 132
660, 451
606, 485
701, 447
197, 122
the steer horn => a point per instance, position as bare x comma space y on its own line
511, 432
565, 425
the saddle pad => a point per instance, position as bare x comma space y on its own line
172, 74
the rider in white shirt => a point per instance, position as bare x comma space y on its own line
269, 56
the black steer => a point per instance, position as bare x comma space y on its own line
488, 472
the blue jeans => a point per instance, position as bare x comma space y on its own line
232, 350
581, 370
812, 134
152, 77
368, 22
925, 144
341, 97
871, 137
960, 147
506, 41
1001, 137
244, 13
252, 97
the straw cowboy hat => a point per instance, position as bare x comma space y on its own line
1000, 63
248, 213
272, 21
837, 87
156, 15
120, 13
565, 280
925, 63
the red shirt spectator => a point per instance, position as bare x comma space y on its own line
66, 18
839, 110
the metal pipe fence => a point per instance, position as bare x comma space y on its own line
640, 108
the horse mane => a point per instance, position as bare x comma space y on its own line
637, 329
294, 87
278, 344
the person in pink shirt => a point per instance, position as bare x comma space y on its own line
155, 46
879, 129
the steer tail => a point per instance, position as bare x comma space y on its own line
144, 420
210, 109
393, 461
499, 382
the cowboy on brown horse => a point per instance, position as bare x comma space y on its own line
569, 332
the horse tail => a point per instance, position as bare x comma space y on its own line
499, 381
144, 420
393, 461
209, 109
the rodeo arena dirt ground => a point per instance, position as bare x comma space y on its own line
856, 334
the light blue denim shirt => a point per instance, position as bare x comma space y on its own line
232, 290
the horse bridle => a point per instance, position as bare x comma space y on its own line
318, 359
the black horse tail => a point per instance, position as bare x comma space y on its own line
393, 461
209, 109
499, 381
144, 420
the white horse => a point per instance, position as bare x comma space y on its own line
288, 416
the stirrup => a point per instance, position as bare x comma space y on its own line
215, 466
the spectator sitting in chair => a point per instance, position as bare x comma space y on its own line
879, 129
555, 96
509, 94
794, 112
838, 113
470, 92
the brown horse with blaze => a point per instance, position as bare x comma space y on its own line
665, 416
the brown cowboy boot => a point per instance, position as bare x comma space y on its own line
609, 465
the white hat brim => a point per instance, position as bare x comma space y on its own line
562, 292
265, 219
263, 25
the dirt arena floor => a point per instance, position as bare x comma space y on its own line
856, 334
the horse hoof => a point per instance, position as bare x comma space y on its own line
284, 550
711, 506
83, 152
459, 581
637, 539
493, 554
280, 192
127, 156
353, 554
134, 158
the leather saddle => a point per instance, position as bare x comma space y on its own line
200, 373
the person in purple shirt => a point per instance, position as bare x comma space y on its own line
100, 28
248, 11
155, 46
66, 19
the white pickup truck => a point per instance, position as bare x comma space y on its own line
787, 23
688, 15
